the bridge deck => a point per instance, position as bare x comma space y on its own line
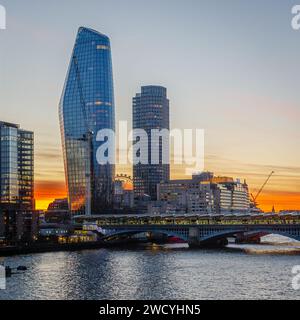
188, 220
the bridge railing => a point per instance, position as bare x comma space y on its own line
106, 221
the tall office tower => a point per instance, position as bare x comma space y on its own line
151, 111
16, 167
87, 106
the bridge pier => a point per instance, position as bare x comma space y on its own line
248, 238
213, 243
195, 240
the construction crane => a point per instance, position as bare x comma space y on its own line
88, 139
254, 198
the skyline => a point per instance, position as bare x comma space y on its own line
214, 54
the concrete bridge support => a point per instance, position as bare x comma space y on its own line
212, 243
196, 241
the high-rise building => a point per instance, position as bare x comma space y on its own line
151, 111
87, 106
16, 167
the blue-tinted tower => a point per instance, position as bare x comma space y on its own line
87, 106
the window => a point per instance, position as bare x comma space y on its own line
102, 47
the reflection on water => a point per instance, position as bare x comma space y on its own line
238, 272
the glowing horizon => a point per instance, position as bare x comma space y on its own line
47, 191
230, 68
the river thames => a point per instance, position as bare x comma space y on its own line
241, 272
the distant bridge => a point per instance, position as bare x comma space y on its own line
195, 230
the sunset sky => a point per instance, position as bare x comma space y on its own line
230, 67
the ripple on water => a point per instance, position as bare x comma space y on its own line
156, 274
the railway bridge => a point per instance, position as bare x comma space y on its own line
195, 230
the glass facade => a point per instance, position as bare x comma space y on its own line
151, 111
87, 106
16, 167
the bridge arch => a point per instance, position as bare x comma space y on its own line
221, 235
230, 233
168, 232
280, 233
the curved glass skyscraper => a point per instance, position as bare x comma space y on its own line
87, 106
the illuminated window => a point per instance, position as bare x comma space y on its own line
102, 47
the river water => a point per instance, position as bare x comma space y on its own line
238, 272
